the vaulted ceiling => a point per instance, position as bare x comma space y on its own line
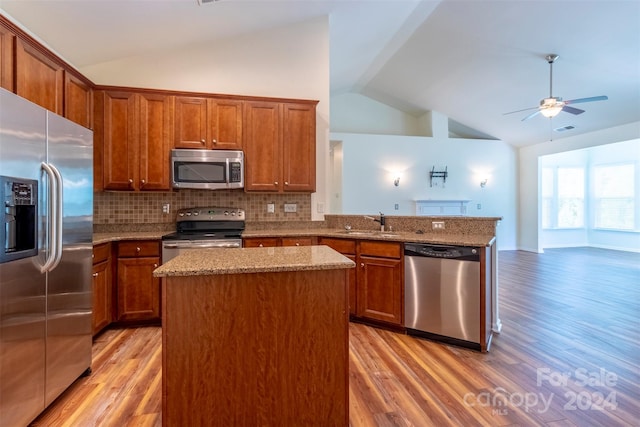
470, 60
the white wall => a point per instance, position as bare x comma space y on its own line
287, 62
529, 208
370, 162
367, 158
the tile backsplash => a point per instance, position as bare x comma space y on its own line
112, 207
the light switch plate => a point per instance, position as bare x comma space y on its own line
437, 225
271, 207
290, 207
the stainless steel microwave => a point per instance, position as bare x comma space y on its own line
207, 169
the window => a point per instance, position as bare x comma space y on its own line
614, 199
563, 203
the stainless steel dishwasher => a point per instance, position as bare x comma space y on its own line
442, 293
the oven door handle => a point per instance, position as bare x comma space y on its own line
200, 245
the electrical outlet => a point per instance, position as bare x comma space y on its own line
271, 207
166, 208
479, 206
437, 225
290, 207
396, 206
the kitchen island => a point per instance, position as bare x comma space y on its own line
255, 336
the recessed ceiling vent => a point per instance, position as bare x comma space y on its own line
564, 128
201, 2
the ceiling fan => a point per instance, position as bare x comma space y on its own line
551, 106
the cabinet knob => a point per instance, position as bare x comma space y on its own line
203, 141
261, 245
138, 249
297, 244
276, 183
155, 265
130, 182
286, 183
95, 274
214, 141
362, 264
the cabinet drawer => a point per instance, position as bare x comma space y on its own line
382, 249
141, 248
101, 253
260, 242
343, 246
297, 241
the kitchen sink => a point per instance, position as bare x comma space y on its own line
370, 233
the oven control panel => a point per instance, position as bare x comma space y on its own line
211, 214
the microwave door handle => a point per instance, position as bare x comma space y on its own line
227, 171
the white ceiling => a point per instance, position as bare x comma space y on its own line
470, 60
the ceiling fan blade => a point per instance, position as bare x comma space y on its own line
519, 111
591, 99
531, 115
572, 110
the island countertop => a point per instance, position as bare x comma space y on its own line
201, 262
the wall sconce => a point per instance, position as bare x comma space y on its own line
483, 183
396, 180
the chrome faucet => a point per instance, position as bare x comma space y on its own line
381, 220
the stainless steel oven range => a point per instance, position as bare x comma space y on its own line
200, 228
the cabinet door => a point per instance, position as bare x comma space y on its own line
38, 78
78, 101
155, 137
120, 141
380, 290
353, 287
7, 46
190, 122
299, 147
225, 124
138, 290
102, 296
262, 145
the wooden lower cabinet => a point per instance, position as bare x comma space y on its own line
138, 291
376, 285
102, 288
380, 290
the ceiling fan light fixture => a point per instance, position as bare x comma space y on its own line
551, 111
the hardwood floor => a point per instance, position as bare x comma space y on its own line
568, 355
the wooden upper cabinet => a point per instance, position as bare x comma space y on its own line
78, 101
39, 78
120, 140
280, 147
208, 123
155, 135
136, 134
299, 147
7, 55
191, 123
262, 146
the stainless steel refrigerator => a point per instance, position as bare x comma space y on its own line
46, 225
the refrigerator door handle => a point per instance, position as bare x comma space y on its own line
52, 236
58, 202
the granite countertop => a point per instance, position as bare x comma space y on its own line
459, 239
203, 262
99, 238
